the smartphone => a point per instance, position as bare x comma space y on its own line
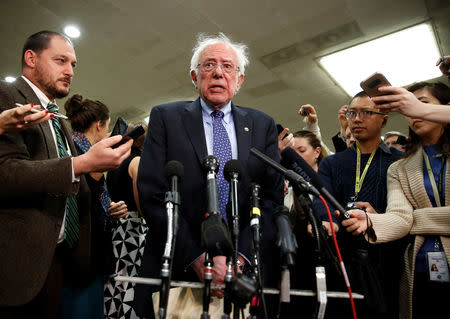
373, 82
280, 129
133, 134
120, 127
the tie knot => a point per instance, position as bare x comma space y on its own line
217, 114
52, 107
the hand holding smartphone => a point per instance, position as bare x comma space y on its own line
133, 134
120, 127
373, 82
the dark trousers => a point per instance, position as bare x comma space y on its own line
45, 304
430, 298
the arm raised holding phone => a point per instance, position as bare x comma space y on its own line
396, 99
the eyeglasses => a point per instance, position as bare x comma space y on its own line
351, 115
226, 67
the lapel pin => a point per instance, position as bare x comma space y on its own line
246, 129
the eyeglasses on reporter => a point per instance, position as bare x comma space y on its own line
364, 114
226, 67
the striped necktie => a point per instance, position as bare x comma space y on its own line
72, 226
221, 150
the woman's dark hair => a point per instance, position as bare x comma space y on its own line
314, 141
441, 92
82, 113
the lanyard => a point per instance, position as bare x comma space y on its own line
359, 180
436, 192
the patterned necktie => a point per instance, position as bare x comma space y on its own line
221, 150
72, 226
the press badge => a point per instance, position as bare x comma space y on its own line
437, 266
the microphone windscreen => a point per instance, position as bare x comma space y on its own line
232, 167
211, 163
294, 161
174, 168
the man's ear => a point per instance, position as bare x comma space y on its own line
30, 58
385, 119
194, 78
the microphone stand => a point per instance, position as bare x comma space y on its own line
235, 230
320, 236
256, 270
207, 277
172, 200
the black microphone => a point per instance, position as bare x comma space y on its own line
211, 165
215, 234
285, 238
288, 174
232, 172
174, 172
255, 212
292, 159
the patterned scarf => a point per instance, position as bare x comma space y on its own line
83, 143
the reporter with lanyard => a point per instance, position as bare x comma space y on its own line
356, 177
418, 206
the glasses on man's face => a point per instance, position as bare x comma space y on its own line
226, 67
364, 114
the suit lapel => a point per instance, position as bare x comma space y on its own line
193, 123
243, 126
30, 97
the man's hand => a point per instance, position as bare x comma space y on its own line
219, 271
19, 118
309, 112
118, 210
288, 141
325, 225
444, 67
101, 157
342, 119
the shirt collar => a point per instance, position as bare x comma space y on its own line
41, 96
381, 146
206, 109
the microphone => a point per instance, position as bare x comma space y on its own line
232, 172
174, 172
211, 165
292, 176
285, 238
255, 212
297, 163
215, 234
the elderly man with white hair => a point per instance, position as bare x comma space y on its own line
189, 131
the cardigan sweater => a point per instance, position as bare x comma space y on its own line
410, 211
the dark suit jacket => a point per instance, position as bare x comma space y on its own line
176, 133
33, 190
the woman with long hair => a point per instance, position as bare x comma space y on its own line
418, 206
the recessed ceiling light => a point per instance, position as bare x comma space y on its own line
72, 31
404, 57
10, 79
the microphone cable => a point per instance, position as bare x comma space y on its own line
341, 262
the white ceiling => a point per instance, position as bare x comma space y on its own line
135, 54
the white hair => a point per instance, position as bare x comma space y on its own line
204, 40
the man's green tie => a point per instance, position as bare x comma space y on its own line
72, 225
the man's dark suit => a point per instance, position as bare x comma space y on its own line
33, 190
176, 133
